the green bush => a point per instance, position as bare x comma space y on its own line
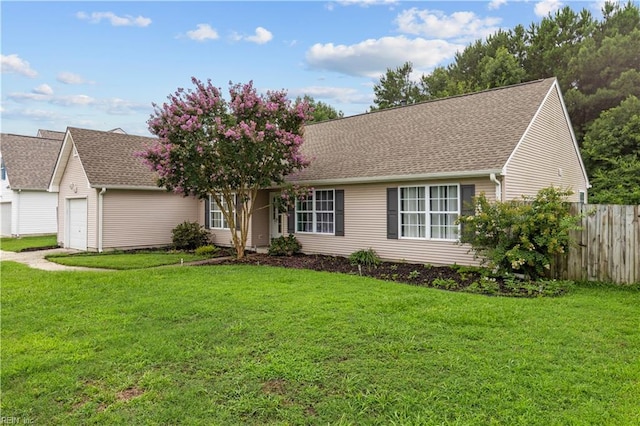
285, 246
208, 250
189, 236
521, 236
363, 257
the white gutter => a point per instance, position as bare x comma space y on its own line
495, 180
128, 187
100, 218
413, 177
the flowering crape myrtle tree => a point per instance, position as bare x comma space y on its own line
208, 146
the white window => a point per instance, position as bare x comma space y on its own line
412, 208
316, 213
216, 218
433, 217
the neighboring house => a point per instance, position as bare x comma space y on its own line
396, 180
26, 208
50, 134
108, 199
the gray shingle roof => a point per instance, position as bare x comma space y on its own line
109, 158
453, 135
50, 134
29, 160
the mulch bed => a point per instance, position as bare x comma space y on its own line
465, 279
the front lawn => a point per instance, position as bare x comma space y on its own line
126, 260
29, 243
242, 344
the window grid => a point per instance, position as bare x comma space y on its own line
412, 206
217, 219
442, 212
316, 213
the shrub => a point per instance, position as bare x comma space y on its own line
521, 236
189, 236
446, 283
363, 257
285, 246
208, 250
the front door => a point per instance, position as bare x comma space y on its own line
276, 219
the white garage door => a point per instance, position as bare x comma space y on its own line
5, 219
77, 223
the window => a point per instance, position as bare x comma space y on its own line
316, 213
216, 218
443, 203
412, 206
432, 218
3, 170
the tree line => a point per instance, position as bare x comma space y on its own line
597, 64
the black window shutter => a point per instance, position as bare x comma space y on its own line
467, 194
467, 208
207, 212
238, 212
392, 213
339, 218
291, 221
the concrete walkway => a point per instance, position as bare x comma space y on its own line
35, 259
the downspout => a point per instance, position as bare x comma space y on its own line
100, 217
495, 180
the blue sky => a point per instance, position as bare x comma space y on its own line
100, 65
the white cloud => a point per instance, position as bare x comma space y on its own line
71, 78
43, 89
496, 4
21, 97
14, 64
72, 100
204, 32
339, 94
371, 58
545, 7
117, 106
115, 20
261, 36
459, 26
32, 115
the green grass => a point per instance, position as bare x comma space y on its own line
123, 261
246, 345
20, 244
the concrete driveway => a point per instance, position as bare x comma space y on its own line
35, 259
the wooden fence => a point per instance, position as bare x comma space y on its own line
608, 246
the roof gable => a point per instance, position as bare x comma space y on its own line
457, 135
109, 158
29, 160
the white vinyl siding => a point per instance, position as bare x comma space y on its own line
74, 184
35, 213
138, 219
546, 156
316, 213
429, 218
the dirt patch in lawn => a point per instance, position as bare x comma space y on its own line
453, 278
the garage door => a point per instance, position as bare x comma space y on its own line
5, 219
77, 223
